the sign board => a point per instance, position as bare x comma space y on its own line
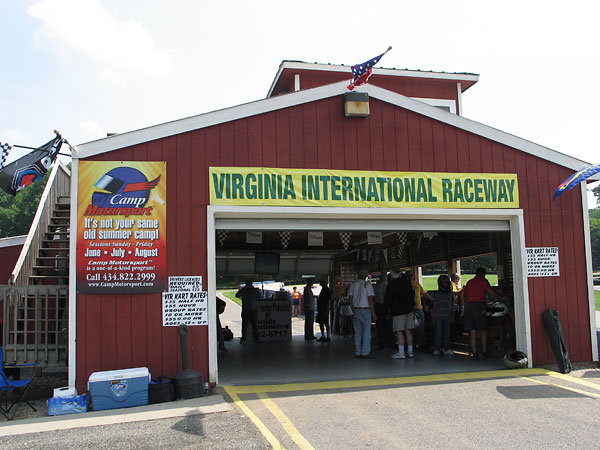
275, 320
542, 262
183, 284
268, 186
121, 227
188, 308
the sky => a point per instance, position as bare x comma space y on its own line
92, 67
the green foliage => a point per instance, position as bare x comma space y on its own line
595, 239
16, 213
596, 192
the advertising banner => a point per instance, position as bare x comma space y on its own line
121, 227
262, 186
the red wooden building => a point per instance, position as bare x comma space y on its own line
414, 125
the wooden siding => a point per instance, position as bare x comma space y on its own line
119, 331
8, 258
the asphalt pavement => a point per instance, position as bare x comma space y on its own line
530, 408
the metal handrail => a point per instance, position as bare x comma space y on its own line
59, 184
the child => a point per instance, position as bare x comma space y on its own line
443, 313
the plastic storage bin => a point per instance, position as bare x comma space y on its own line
119, 388
58, 406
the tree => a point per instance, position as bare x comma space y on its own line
595, 237
596, 192
16, 213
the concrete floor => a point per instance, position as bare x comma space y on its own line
298, 360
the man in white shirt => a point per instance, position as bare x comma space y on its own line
361, 298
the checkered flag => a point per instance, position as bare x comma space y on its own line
285, 237
5, 148
345, 238
402, 237
221, 236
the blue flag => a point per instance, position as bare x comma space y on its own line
575, 179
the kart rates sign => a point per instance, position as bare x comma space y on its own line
121, 227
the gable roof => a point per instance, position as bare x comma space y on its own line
466, 79
310, 95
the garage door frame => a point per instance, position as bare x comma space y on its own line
363, 219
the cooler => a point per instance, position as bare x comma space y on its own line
119, 388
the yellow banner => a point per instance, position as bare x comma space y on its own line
367, 189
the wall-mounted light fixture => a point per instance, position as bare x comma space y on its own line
356, 104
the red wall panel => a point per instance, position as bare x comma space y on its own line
317, 135
8, 259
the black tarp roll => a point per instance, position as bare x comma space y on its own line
557, 340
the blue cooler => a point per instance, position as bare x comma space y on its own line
119, 388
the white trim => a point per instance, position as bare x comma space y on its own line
296, 82
310, 95
12, 241
589, 270
520, 285
213, 364
351, 219
73, 276
439, 102
299, 65
459, 96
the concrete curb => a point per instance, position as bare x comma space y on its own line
181, 408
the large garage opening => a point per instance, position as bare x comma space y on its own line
279, 254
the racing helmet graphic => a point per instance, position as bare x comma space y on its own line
123, 182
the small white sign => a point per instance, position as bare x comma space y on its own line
374, 237
254, 237
315, 238
188, 308
183, 284
542, 262
275, 320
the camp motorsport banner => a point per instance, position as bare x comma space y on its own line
121, 227
368, 189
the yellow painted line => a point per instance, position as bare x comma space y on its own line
578, 391
259, 424
575, 380
287, 424
374, 382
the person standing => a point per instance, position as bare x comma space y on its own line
295, 301
323, 307
443, 314
361, 296
380, 309
460, 301
419, 293
308, 302
399, 298
249, 295
220, 337
475, 320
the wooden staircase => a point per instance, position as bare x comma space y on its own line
35, 306
52, 262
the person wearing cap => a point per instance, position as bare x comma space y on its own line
249, 295
361, 296
475, 320
308, 303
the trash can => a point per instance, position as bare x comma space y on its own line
557, 340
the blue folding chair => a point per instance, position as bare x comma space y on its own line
18, 388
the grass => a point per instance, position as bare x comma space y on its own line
231, 296
430, 281
597, 298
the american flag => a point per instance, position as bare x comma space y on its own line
362, 72
5, 148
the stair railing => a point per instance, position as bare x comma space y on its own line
58, 185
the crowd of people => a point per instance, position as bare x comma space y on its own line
394, 304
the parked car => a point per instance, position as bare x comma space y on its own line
596, 279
